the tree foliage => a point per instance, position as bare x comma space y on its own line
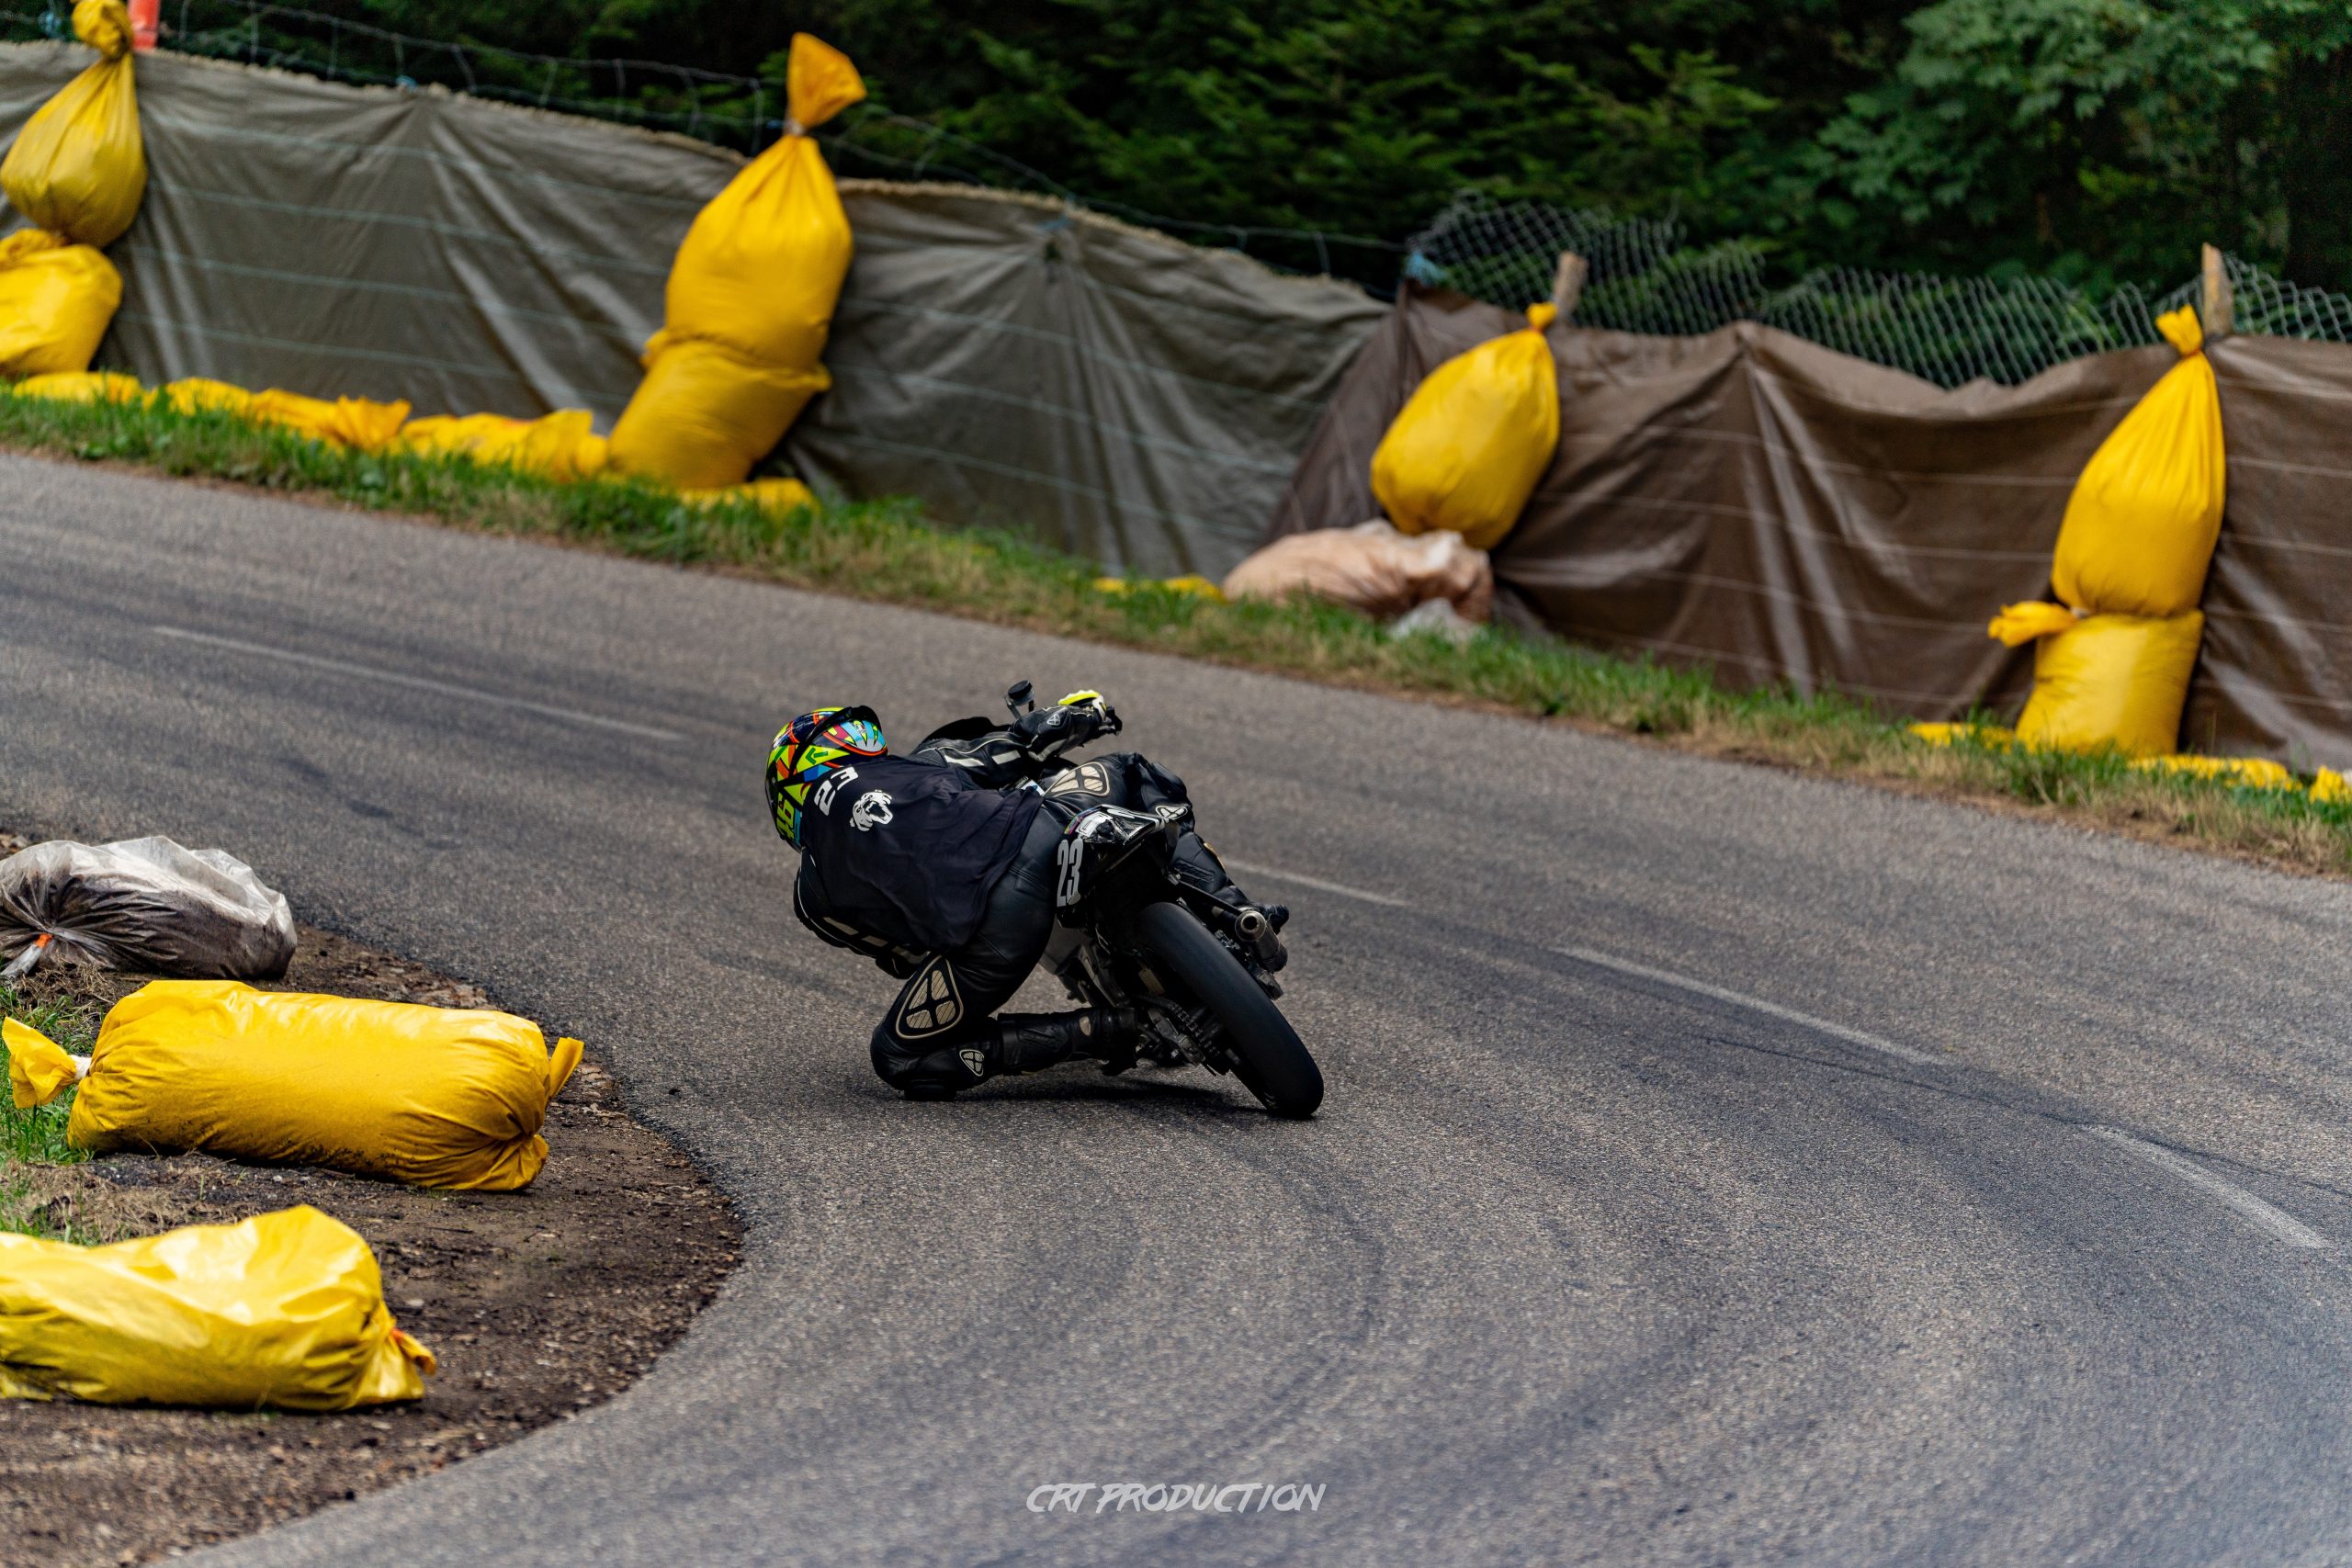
2101, 139
2104, 136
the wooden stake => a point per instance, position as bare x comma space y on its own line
2216, 309
1567, 284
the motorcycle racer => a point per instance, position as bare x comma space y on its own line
939, 866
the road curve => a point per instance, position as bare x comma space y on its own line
1719, 1166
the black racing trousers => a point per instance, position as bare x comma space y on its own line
938, 1036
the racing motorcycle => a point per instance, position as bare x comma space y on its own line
1132, 932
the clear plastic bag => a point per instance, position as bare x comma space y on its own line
148, 905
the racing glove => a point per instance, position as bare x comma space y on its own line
1078, 718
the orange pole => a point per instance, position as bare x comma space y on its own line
146, 17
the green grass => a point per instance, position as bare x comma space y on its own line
885, 551
37, 1137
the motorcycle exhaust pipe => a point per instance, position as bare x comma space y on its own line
1254, 927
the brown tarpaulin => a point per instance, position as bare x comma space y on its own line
1782, 511
1132, 399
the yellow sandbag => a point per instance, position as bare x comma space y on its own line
1192, 584
1466, 450
776, 495
561, 445
56, 300
39, 1069
1987, 735
78, 167
2017, 624
436, 1097
2112, 680
704, 413
2249, 773
82, 387
2146, 514
199, 394
761, 268
750, 301
284, 1311
346, 421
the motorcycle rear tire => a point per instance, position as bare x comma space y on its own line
1267, 1056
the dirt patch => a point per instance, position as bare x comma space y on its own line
538, 1304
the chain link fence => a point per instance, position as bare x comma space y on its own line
738, 111
1645, 277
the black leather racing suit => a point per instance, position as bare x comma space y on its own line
963, 919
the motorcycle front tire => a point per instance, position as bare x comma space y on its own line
1267, 1056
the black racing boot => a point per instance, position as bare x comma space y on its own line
1255, 926
1030, 1041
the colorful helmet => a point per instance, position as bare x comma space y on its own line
807, 749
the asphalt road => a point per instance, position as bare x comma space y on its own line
1718, 1165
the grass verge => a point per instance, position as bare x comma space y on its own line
884, 551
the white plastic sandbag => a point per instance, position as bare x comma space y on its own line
1373, 568
147, 905
1435, 617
